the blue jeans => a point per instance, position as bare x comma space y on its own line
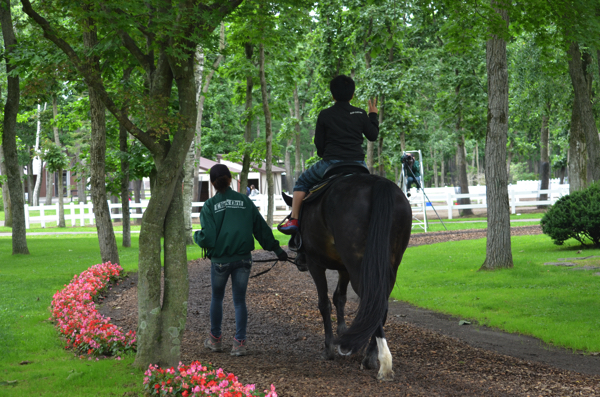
314, 174
412, 181
219, 274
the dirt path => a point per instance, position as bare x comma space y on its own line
433, 356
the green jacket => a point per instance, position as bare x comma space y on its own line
229, 221
416, 169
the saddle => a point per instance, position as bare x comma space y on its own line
333, 173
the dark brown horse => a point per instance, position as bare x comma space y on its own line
360, 227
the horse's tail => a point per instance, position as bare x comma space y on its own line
376, 270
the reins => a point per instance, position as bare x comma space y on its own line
291, 260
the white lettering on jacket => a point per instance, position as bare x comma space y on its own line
228, 204
355, 112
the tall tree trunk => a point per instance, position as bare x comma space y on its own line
442, 171
5, 193
461, 161
370, 145
61, 204
268, 135
49, 187
498, 249
544, 156
287, 160
297, 154
435, 168
198, 72
370, 156
123, 146
137, 197
106, 236
381, 168
30, 181
289, 178
463, 181
191, 172
477, 160
39, 162
577, 163
577, 70
9, 138
249, 50
123, 135
509, 159
188, 187
82, 180
160, 327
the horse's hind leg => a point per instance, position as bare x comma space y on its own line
370, 359
339, 300
379, 350
318, 275
384, 355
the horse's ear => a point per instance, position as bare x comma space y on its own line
287, 199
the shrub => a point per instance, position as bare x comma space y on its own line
575, 216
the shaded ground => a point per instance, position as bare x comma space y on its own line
433, 356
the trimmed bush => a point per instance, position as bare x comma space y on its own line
575, 216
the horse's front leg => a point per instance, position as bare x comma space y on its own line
339, 300
318, 275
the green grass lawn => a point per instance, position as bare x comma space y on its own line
457, 225
556, 304
27, 284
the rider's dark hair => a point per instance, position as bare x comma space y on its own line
342, 88
222, 183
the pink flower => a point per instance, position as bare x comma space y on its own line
76, 317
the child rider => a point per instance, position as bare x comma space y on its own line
338, 137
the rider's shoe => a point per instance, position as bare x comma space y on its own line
214, 344
290, 227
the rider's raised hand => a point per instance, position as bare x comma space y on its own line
373, 105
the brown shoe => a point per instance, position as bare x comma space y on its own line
213, 343
239, 348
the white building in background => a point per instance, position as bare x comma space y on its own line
257, 177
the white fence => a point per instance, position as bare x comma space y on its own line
445, 198
83, 214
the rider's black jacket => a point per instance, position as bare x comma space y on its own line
340, 130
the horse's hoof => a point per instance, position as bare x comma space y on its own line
386, 377
369, 362
343, 353
329, 354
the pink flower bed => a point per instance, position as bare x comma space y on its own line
196, 380
74, 312
88, 332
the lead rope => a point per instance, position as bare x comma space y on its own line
291, 260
